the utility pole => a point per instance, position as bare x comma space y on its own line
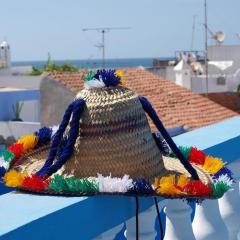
103, 31
193, 31
206, 44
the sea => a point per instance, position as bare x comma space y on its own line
94, 63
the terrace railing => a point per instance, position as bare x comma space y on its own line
26, 216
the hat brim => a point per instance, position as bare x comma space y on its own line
33, 161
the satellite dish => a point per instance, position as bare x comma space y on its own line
219, 37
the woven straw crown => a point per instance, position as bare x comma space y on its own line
115, 137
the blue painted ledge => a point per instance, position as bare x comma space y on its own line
25, 216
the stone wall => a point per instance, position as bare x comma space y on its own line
54, 99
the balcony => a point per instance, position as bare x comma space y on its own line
26, 216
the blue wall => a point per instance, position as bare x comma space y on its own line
8, 99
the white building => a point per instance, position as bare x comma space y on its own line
5, 55
224, 71
188, 69
17, 87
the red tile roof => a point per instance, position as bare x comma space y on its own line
175, 105
229, 100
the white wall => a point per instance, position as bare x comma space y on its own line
198, 84
18, 129
29, 82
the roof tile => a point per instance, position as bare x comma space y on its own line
175, 105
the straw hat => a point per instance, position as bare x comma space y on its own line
104, 145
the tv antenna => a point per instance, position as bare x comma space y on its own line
193, 31
103, 31
206, 43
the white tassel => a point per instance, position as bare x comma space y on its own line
54, 130
4, 163
114, 184
225, 179
95, 83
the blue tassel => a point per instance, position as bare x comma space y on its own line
153, 115
44, 136
2, 172
108, 77
141, 186
223, 171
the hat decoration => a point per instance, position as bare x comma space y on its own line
47, 179
103, 78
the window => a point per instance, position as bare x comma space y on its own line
221, 80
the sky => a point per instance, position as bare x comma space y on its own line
157, 27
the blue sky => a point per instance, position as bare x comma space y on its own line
158, 27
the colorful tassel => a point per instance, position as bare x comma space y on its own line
219, 188
141, 186
44, 136
90, 75
114, 184
13, 178
29, 142
197, 156
95, 83
108, 77
167, 186
198, 189
225, 179
224, 171
184, 150
82, 185
182, 181
35, 183
2, 172
58, 184
119, 74
17, 150
71, 184
7, 155
4, 163
213, 165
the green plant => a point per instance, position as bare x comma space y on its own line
52, 66
238, 88
17, 108
35, 72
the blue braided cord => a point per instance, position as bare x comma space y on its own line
68, 149
57, 138
153, 115
44, 136
161, 143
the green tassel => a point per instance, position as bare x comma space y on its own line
90, 76
219, 188
58, 184
72, 184
7, 155
184, 150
